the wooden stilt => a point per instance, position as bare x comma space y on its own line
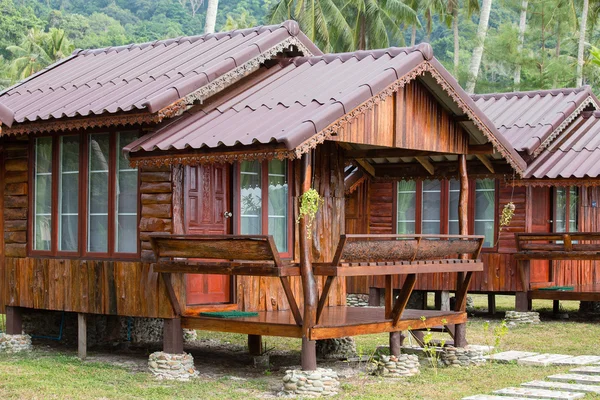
395, 343
460, 335
309, 284
442, 300
255, 345
460, 330
424, 302
555, 307
173, 336
374, 297
82, 336
491, 304
14, 321
522, 302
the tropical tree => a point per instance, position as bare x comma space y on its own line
521, 41
581, 45
321, 20
377, 23
453, 8
5, 80
431, 8
241, 21
484, 17
38, 50
211, 16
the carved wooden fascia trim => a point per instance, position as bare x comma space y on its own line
555, 182
212, 158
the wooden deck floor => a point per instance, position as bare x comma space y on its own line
581, 293
335, 322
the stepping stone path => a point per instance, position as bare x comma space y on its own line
571, 387
533, 393
574, 385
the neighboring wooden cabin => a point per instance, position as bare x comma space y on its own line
554, 131
232, 129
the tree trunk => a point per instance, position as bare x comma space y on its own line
522, 27
580, 51
484, 18
211, 16
413, 36
456, 42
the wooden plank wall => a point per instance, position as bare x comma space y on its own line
500, 269
412, 118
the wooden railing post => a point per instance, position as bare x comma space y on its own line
309, 285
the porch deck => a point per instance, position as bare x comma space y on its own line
335, 322
590, 292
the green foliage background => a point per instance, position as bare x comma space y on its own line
548, 59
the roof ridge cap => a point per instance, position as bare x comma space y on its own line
531, 93
424, 48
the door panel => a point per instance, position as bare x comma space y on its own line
541, 221
207, 198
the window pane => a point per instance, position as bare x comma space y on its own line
561, 210
431, 207
453, 207
485, 205
573, 211
278, 204
98, 193
251, 198
407, 198
68, 193
127, 200
43, 194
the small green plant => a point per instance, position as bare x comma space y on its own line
429, 347
310, 201
497, 333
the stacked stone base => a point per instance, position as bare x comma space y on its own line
14, 343
357, 300
462, 357
322, 382
338, 349
517, 318
172, 366
402, 366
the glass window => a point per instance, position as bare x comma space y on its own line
278, 204
566, 202
406, 207
251, 198
98, 167
453, 199
126, 202
68, 194
431, 207
485, 209
43, 194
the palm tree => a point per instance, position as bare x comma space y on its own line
321, 20
581, 45
430, 9
484, 17
453, 7
211, 16
38, 50
241, 21
5, 80
522, 28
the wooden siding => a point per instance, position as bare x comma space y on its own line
412, 118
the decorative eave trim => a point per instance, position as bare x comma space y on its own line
556, 182
233, 76
212, 158
548, 141
334, 128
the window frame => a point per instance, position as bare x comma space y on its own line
82, 219
567, 208
264, 181
444, 208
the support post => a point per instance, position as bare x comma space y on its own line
255, 345
395, 343
309, 285
14, 321
460, 330
82, 336
374, 297
522, 302
173, 336
491, 304
555, 307
442, 300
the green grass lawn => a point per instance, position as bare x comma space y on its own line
58, 374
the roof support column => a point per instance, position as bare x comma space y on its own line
309, 285
460, 339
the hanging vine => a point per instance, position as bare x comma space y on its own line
310, 202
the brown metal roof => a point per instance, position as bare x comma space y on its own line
145, 76
531, 120
296, 100
575, 154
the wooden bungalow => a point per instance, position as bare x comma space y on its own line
163, 180
555, 133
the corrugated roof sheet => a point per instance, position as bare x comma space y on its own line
140, 76
294, 101
575, 154
530, 120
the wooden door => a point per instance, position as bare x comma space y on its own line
541, 221
208, 198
